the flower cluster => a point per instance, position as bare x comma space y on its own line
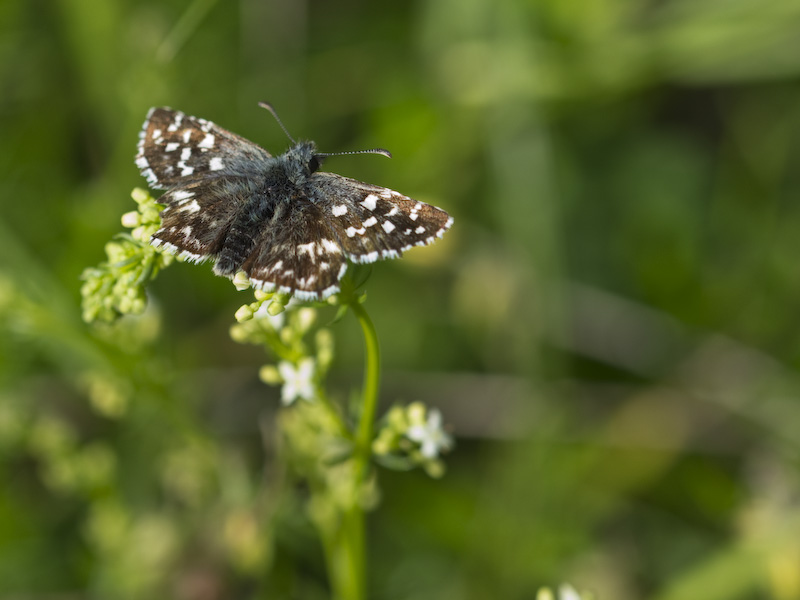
299, 369
117, 286
412, 436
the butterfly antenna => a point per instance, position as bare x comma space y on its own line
269, 107
380, 151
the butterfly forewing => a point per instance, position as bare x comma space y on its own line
374, 222
175, 148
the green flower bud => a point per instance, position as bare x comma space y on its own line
241, 281
276, 307
140, 195
269, 374
131, 219
245, 313
151, 214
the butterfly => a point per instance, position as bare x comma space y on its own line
288, 226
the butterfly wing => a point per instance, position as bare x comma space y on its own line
207, 171
372, 222
198, 217
175, 149
297, 253
305, 248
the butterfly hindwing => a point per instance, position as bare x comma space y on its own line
197, 218
299, 254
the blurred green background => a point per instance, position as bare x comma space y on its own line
611, 327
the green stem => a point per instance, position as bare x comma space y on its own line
369, 403
349, 549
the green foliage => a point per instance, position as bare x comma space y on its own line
610, 327
117, 286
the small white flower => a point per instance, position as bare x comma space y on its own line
297, 381
430, 435
567, 592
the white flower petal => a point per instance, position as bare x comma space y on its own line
416, 433
429, 449
567, 592
298, 382
430, 435
286, 369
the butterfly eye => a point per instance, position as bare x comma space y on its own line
315, 163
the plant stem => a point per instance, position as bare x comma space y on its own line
350, 546
369, 403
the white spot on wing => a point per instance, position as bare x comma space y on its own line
352, 231
339, 210
330, 246
187, 134
176, 123
159, 243
192, 257
207, 141
419, 229
388, 227
365, 258
306, 249
182, 195
191, 208
369, 202
414, 216
260, 284
216, 164
186, 153
370, 222
171, 147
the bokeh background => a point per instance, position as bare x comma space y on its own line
611, 328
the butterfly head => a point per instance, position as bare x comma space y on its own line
301, 161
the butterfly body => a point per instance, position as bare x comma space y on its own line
287, 225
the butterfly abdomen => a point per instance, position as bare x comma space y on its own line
246, 230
